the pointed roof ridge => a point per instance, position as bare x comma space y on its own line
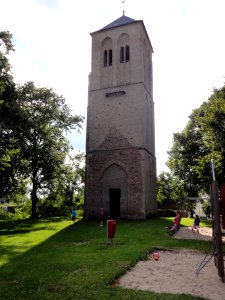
123, 20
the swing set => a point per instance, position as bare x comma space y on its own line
218, 226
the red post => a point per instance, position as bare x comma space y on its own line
111, 229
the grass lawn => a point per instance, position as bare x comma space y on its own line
55, 259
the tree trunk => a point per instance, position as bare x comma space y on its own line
34, 180
34, 199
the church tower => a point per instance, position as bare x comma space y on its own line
120, 138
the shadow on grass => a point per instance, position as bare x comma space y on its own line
27, 223
78, 263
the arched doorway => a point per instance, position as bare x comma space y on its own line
114, 192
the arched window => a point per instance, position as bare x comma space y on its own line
107, 60
121, 54
127, 54
124, 54
110, 57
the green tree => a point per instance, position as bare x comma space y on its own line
164, 187
185, 153
33, 123
74, 185
6, 46
66, 187
9, 115
46, 119
201, 140
211, 119
170, 188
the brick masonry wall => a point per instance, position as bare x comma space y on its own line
116, 150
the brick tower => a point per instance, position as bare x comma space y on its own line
120, 140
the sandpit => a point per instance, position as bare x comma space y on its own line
175, 272
205, 234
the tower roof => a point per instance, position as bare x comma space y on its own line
123, 20
119, 22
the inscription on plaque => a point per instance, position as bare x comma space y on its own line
115, 94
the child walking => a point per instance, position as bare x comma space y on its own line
195, 227
101, 216
74, 214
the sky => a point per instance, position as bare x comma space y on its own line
53, 48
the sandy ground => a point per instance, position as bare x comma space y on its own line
175, 271
205, 233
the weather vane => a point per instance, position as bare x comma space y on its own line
123, 6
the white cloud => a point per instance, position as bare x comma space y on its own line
53, 48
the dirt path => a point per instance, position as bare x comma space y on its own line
175, 271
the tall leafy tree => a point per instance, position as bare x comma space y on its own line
170, 189
68, 184
211, 119
74, 183
44, 147
164, 187
33, 123
200, 141
184, 156
9, 114
6, 46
